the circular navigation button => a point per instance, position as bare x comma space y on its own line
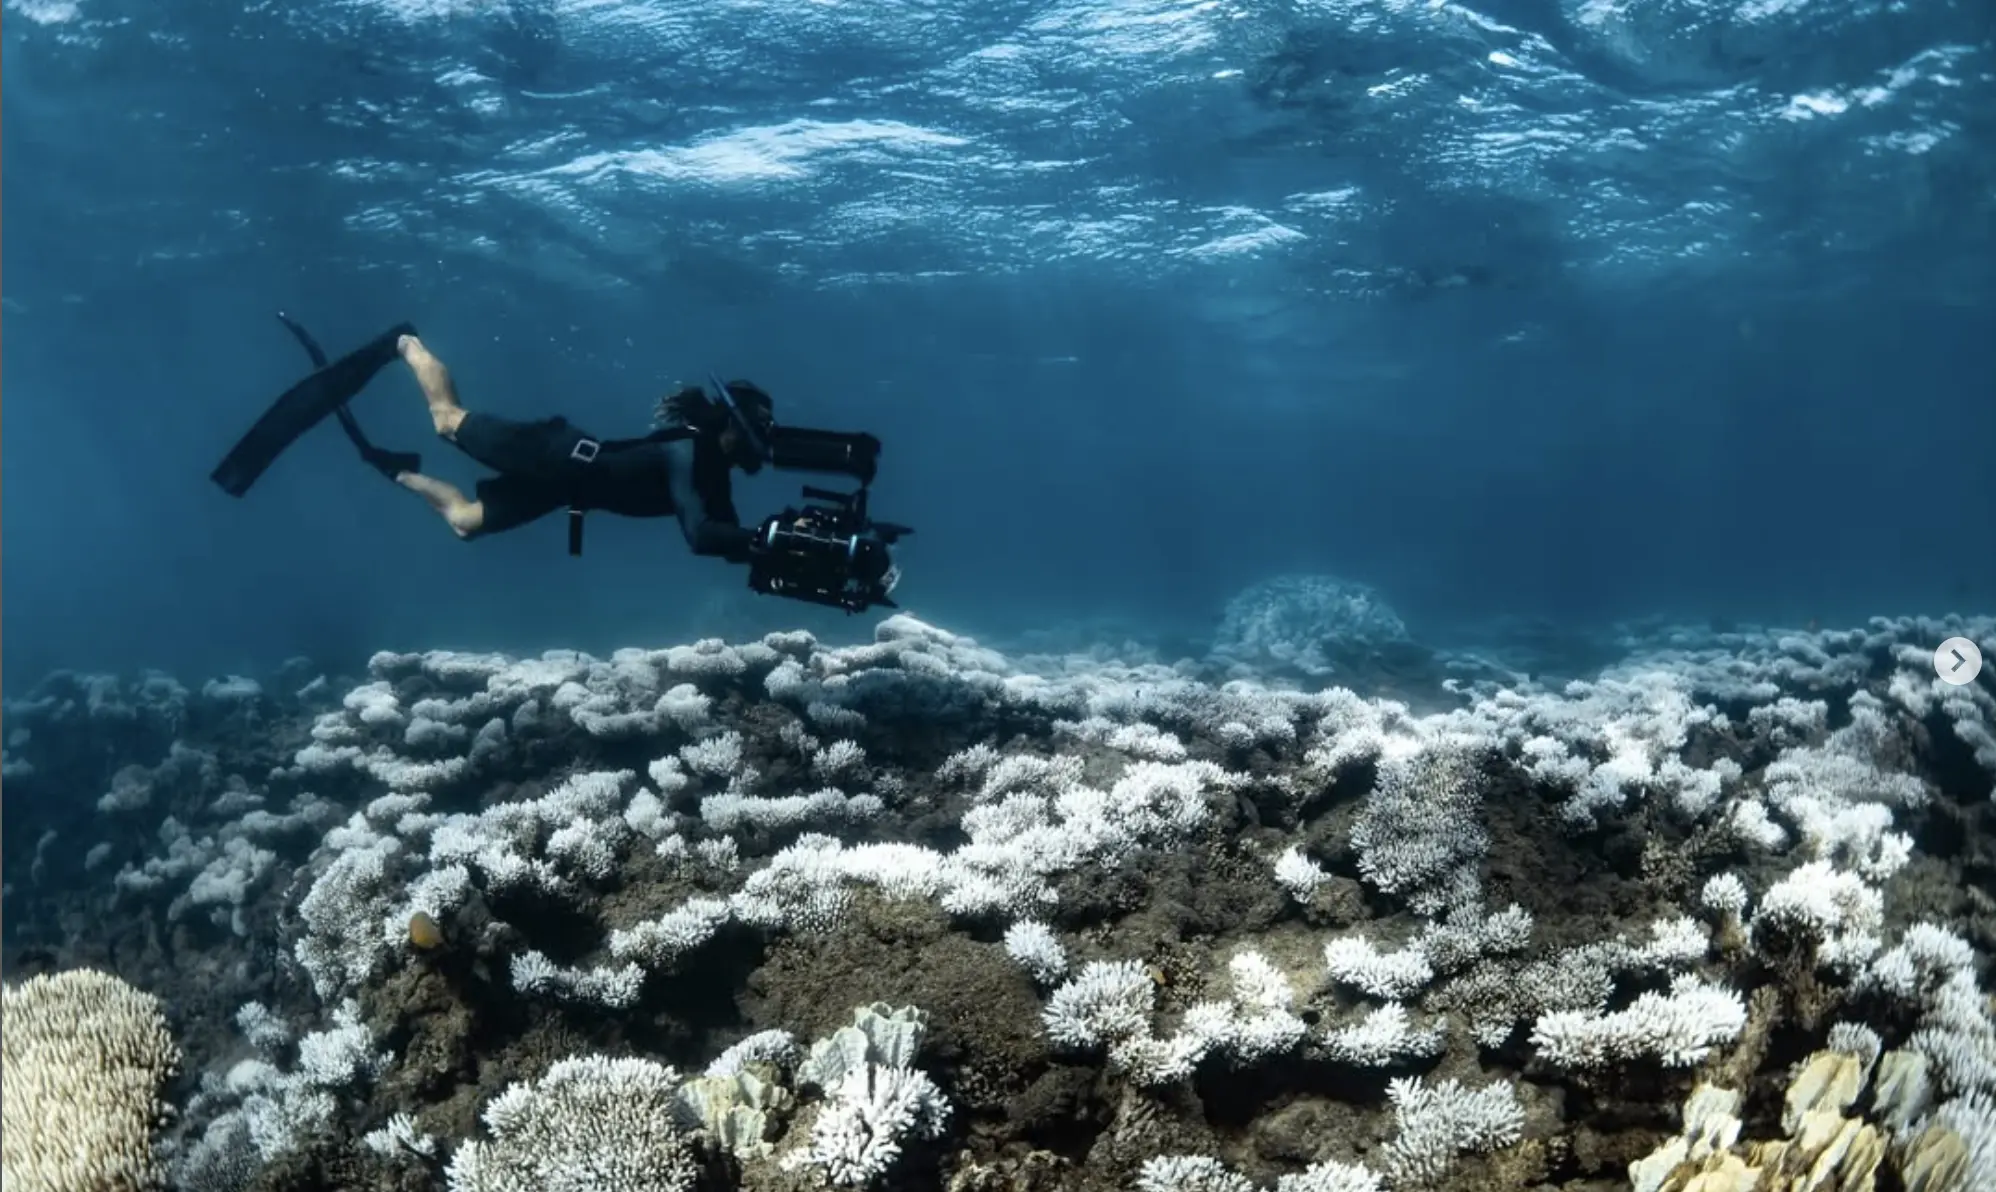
1958, 661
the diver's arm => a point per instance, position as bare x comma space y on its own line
718, 539
711, 531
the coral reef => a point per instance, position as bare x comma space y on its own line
914, 913
84, 1060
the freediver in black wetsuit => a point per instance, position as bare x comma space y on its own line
828, 551
681, 470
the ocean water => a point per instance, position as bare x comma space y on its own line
1446, 540
1576, 312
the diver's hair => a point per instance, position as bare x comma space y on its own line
690, 408
693, 409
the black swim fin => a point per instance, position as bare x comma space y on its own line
304, 406
389, 463
304, 338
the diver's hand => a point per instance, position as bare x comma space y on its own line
874, 561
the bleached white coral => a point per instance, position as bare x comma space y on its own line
1467, 933
1033, 821
777, 1047
669, 775
648, 816
1496, 995
227, 880
967, 764
342, 1056
1925, 959
1034, 945
1834, 911
343, 943
1385, 1036
841, 759
1856, 1039
873, 1111
1420, 832
716, 756
1726, 894
1106, 1001
1151, 803
1788, 721
1439, 1121
1331, 1176
876, 1101
1190, 1173
878, 1034
587, 847
1957, 1031
1677, 1029
1749, 821
264, 1030
398, 1137
374, 704
1108, 1005
268, 1111
1973, 1120
1260, 1021
1696, 792
706, 657
615, 987
1298, 874
590, 1120
1354, 961
131, 788
1672, 943
1351, 729
802, 888
718, 853
436, 893
658, 943
1608, 785
728, 812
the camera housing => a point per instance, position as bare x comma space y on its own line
827, 551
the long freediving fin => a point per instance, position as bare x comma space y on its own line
305, 405
389, 463
304, 338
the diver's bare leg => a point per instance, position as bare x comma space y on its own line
445, 412
466, 517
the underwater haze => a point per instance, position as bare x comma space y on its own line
1563, 311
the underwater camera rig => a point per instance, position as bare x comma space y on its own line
829, 550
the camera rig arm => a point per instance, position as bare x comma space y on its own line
829, 550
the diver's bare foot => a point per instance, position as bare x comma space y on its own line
445, 413
420, 359
465, 518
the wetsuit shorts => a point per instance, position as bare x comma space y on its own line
552, 464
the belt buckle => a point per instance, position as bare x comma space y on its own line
585, 451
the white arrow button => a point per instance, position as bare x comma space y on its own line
1958, 661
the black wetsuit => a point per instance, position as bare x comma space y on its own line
543, 466
552, 464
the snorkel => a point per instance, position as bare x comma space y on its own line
752, 436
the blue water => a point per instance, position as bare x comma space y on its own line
1567, 311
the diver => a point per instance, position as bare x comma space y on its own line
550, 464
828, 551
